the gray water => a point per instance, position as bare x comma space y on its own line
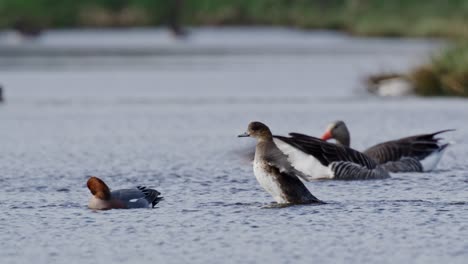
165, 114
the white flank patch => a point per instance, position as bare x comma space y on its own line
303, 162
133, 200
431, 161
268, 182
98, 204
394, 87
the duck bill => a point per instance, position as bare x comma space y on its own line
327, 135
244, 135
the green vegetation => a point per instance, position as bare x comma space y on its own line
447, 74
364, 17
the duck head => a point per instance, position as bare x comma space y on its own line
98, 188
257, 130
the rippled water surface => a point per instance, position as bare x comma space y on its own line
168, 118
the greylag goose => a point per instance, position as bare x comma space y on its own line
410, 154
280, 161
104, 199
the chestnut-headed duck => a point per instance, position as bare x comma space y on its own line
105, 199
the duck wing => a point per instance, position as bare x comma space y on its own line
137, 197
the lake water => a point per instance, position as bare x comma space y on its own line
138, 107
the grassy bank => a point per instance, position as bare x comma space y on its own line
446, 74
364, 17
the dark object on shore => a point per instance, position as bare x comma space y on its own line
1, 94
27, 28
174, 19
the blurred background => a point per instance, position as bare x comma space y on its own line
155, 91
141, 30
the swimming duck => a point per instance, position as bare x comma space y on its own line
104, 199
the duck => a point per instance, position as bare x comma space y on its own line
273, 171
417, 153
105, 199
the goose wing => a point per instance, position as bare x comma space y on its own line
317, 159
327, 152
418, 147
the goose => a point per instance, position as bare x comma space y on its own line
416, 153
105, 199
280, 162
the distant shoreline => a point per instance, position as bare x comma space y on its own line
370, 17
446, 74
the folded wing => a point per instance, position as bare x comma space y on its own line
425, 148
137, 197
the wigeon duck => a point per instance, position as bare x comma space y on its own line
416, 153
273, 171
104, 199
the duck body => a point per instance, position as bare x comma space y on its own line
273, 171
104, 199
100, 204
285, 188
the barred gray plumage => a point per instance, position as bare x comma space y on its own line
351, 171
403, 165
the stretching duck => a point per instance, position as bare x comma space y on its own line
273, 170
